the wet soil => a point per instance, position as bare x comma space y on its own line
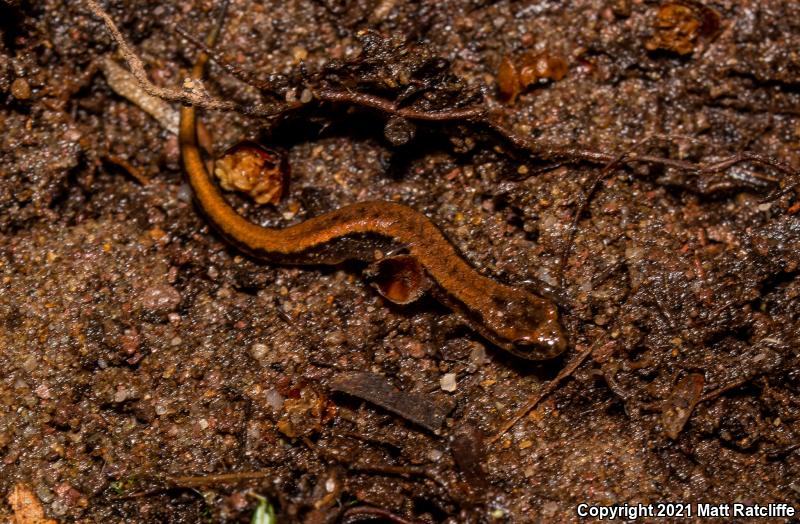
142, 358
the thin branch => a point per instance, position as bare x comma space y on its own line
537, 397
233, 70
585, 198
374, 102
221, 478
551, 152
340, 95
193, 91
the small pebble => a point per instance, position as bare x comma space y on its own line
20, 89
30, 363
121, 395
43, 392
435, 455
477, 355
274, 399
160, 299
259, 351
184, 193
448, 382
497, 514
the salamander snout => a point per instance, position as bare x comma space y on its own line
531, 328
544, 342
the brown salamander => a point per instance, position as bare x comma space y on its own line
511, 318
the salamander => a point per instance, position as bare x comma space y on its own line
509, 317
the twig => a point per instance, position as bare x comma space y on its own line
585, 198
192, 93
546, 390
122, 82
339, 95
406, 472
375, 102
222, 478
129, 168
551, 152
233, 70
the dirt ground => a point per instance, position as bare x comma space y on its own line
153, 373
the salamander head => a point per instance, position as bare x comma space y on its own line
525, 325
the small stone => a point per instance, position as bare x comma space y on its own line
130, 342
435, 455
448, 382
185, 193
477, 355
274, 399
20, 89
121, 395
415, 349
259, 351
160, 299
30, 363
43, 392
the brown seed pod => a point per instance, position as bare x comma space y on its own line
517, 75
508, 80
680, 24
251, 168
